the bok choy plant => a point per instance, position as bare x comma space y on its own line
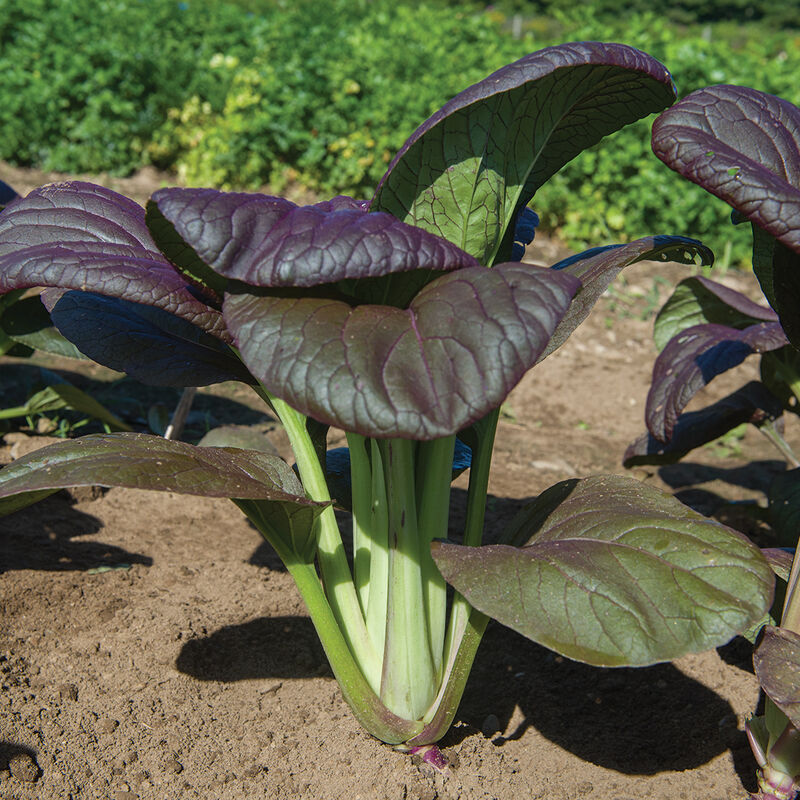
404, 320
743, 146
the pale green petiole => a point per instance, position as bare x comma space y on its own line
409, 682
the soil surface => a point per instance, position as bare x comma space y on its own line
152, 646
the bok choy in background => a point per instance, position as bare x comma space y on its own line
404, 320
743, 146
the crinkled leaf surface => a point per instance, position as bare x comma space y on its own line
420, 373
145, 342
596, 269
80, 236
271, 242
752, 403
776, 661
698, 300
616, 573
141, 461
692, 359
784, 506
466, 172
27, 322
743, 146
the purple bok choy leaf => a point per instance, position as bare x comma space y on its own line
743, 146
422, 372
597, 268
693, 358
776, 661
752, 403
340, 312
81, 237
468, 171
611, 572
141, 461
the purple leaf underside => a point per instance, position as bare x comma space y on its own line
697, 300
141, 461
692, 359
466, 171
776, 661
145, 342
271, 242
616, 573
752, 403
84, 237
598, 267
743, 146
422, 373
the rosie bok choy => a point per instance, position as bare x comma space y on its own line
743, 146
405, 320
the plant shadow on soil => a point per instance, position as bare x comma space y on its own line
666, 720
42, 537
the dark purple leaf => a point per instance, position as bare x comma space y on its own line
597, 267
692, 359
466, 172
616, 573
7, 194
743, 146
752, 403
784, 507
81, 236
141, 461
271, 242
698, 300
145, 342
776, 661
420, 373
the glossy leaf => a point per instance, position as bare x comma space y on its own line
778, 271
752, 403
466, 172
743, 146
145, 342
692, 359
141, 461
784, 506
80, 236
271, 242
421, 373
698, 300
597, 267
615, 573
776, 661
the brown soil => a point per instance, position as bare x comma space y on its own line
151, 646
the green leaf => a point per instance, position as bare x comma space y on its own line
615, 573
698, 300
468, 170
141, 461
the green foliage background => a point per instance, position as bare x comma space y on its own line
243, 93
